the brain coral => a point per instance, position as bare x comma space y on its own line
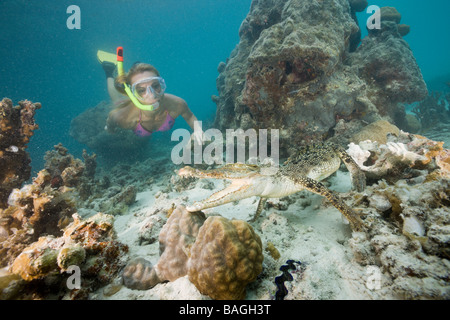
226, 256
140, 274
220, 256
175, 239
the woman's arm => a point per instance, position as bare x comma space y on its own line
190, 118
187, 114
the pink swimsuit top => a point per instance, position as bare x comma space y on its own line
166, 126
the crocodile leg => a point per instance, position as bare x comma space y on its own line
259, 209
317, 187
357, 175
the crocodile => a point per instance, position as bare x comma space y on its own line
303, 171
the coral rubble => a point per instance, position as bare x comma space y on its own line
407, 213
16, 128
63, 168
408, 237
42, 236
34, 210
402, 156
87, 244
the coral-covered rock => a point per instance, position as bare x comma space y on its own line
103, 253
443, 162
37, 260
34, 210
290, 55
386, 63
43, 207
70, 255
90, 164
226, 256
39, 240
88, 244
358, 5
403, 29
10, 284
284, 55
301, 72
88, 128
16, 128
412, 124
376, 131
63, 166
390, 14
433, 110
67, 171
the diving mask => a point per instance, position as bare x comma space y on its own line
126, 87
152, 85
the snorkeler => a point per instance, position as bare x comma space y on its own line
148, 108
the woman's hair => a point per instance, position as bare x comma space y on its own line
135, 69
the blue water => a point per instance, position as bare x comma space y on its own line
429, 37
43, 61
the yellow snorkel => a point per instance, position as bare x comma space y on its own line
120, 71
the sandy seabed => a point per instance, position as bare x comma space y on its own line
310, 230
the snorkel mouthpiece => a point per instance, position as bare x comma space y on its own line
120, 71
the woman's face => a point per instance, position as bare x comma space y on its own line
145, 94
